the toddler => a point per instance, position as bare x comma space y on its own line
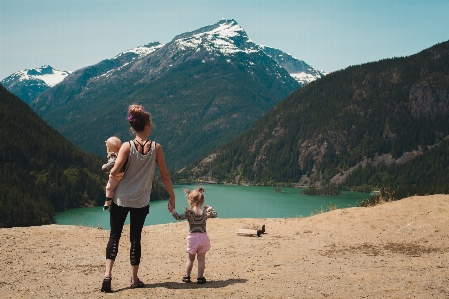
198, 242
113, 145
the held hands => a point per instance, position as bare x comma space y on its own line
171, 206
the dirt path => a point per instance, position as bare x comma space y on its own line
394, 250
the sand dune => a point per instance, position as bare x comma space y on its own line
394, 250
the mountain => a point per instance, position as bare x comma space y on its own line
380, 124
203, 88
30, 83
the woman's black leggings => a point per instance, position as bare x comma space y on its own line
118, 216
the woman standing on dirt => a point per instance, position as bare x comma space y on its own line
132, 194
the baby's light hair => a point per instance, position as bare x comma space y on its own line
113, 142
195, 197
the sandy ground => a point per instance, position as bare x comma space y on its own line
394, 250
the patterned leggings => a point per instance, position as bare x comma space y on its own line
118, 216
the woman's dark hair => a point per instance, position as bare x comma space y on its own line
138, 117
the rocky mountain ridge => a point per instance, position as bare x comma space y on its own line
204, 88
225, 37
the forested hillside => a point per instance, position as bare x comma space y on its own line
392, 115
43, 173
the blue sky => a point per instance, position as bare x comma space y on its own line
327, 34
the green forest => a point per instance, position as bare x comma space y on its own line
390, 107
43, 173
426, 174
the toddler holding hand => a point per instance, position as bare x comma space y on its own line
198, 242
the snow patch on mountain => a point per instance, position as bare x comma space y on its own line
127, 57
305, 78
298, 69
142, 50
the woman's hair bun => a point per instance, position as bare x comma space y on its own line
134, 110
138, 118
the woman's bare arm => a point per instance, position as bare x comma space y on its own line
165, 176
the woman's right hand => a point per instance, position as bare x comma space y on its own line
121, 158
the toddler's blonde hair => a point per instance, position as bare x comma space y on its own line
195, 197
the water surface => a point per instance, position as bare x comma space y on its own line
230, 201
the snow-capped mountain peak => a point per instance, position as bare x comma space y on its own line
228, 38
225, 37
45, 73
29, 83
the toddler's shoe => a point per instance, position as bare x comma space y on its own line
186, 279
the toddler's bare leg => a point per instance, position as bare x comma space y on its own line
189, 264
201, 264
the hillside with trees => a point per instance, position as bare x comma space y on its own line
376, 125
43, 173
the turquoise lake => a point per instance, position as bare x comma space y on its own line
230, 201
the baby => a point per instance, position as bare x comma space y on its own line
113, 145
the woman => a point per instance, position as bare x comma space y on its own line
133, 192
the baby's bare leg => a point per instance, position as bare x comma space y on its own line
111, 185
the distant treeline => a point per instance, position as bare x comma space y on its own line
326, 190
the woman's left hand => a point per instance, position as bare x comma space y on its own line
170, 205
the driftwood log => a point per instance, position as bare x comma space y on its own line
251, 230
254, 226
248, 232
